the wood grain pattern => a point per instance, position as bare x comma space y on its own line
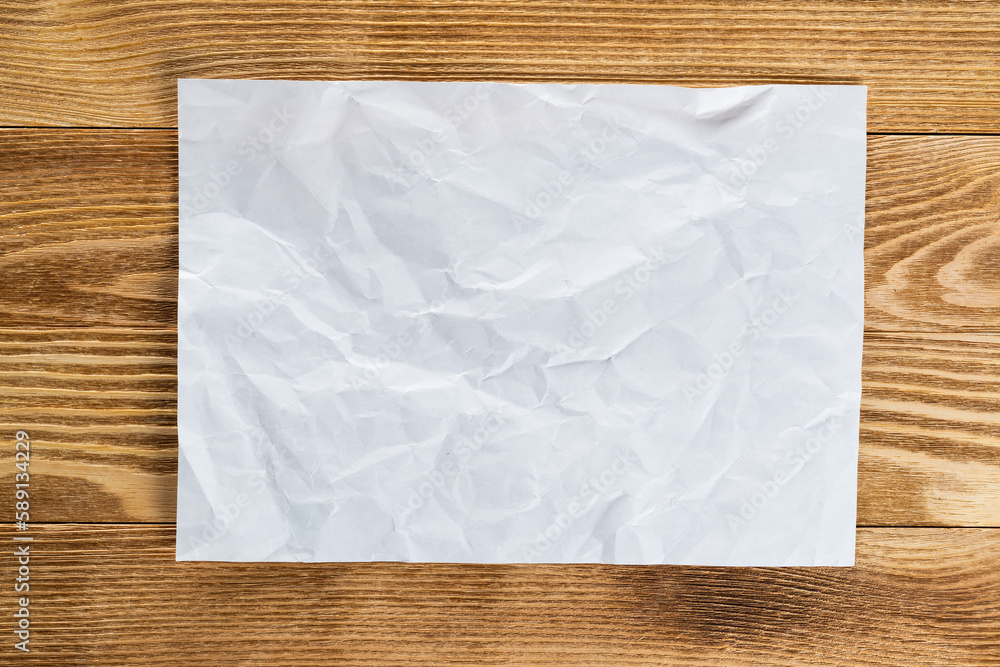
100, 408
932, 234
930, 430
91, 216
87, 355
931, 66
89, 224
113, 595
88, 257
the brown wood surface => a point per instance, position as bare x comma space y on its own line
89, 234
112, 595
931, 66
88, 259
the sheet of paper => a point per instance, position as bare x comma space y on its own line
487, 322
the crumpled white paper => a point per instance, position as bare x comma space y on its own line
488, 322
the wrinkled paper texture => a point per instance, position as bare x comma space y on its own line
486, 322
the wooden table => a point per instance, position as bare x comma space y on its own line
88, 218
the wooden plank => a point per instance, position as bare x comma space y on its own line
931, 65
88, 223
932, 234
89, 231
87, 355
917, 596
930, 430
100, 406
